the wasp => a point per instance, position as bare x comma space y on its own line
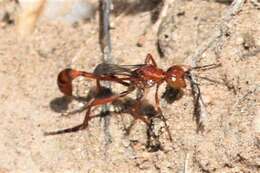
139, 77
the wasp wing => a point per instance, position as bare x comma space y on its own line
114, 69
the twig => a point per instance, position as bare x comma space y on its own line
221, 29
186, 168
240, 99
104, 37
156, 25
162, 15
105, 44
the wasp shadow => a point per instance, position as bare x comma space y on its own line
122, 105
146, 110
171, 94
61, 104
126, 104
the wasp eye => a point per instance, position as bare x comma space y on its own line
173, 78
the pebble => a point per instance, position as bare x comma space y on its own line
239, 40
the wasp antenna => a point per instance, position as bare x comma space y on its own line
210, 80
206, 67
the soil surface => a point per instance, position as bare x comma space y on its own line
31, 103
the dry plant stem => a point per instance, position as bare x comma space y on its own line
163, 13
244, 97
104, 38
186, 167
155, 26
221, 29
105, 44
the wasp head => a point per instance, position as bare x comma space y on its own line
175, 76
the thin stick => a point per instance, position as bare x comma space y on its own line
105, 44
186, 166
162, 15
156, 25
221, 29
104, 37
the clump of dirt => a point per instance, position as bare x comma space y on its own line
31, 103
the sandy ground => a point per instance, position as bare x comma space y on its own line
32, 104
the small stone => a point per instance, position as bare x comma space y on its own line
239, 40
248, 41
126, 143
112, 25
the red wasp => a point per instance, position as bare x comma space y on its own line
141, 77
